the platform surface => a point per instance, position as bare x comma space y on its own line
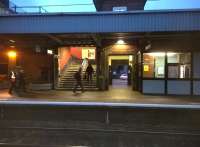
114, 97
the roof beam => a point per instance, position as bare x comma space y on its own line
54, 38
97, 39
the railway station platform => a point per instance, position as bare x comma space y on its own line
115, 118
115, 97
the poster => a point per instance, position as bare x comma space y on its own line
88, 53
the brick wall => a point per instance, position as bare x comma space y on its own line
36, 66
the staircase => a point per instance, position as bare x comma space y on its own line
67, 81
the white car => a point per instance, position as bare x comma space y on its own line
124, 76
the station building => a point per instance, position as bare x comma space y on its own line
154, 52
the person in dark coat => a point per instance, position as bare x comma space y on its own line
78, 79
22, 83
89, 72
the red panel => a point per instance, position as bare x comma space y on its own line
76, 52
64, 57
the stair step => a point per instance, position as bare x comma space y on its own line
71, 89
70, 79
73, 86
67, 81
75, 83
79, 88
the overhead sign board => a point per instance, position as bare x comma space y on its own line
120, 9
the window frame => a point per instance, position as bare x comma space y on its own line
179, 64
154, 78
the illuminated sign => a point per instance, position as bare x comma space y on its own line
120, 9
146, 68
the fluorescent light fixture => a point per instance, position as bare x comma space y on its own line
171, 54
161, 54
157, 54
49, 52
12, 46
120, 42
130, 58
13, 41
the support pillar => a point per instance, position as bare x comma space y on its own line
98, 65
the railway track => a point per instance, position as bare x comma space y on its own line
70, 137
23, 125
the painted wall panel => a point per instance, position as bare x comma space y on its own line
196, 65
40, 69
64, 56
153, 86
139, 21
178, 87
196, 87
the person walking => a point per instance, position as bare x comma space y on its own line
12, 79
78, 79
89, 72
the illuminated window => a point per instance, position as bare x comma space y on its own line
179, 65
154, 65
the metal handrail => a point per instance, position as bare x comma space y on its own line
13, 7
8, 10
41, 8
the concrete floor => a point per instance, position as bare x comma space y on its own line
114, 95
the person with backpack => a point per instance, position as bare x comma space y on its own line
77, 77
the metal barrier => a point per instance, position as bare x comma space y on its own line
15, 9
43, 8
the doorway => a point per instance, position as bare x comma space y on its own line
120, 71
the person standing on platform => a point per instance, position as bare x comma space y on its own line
12, 79
22, 83
89, 72
84, 64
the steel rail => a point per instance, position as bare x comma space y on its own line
184, 133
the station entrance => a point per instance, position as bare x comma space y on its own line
122, 66
120, 71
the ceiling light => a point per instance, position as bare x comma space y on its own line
49, 52
120, 42
157, 54
12, 54
171, 54
13, 41
12, 46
